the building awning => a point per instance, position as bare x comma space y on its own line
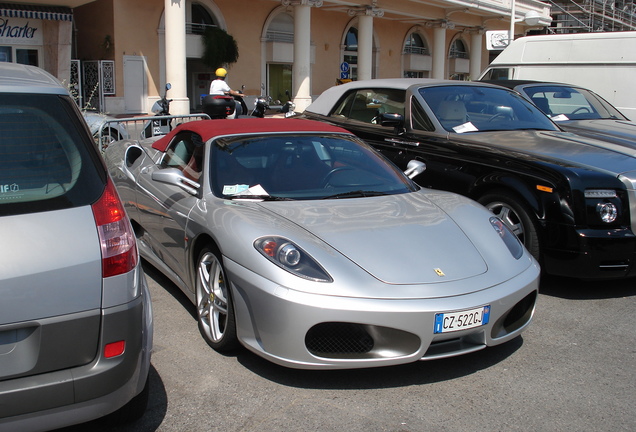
54, 13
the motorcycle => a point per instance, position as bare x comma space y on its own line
160, 108
224, 106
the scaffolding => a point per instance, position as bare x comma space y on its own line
587, 16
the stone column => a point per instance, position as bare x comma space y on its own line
365, 39
175, 20
439, 52
365, 47
476, 42
301, 70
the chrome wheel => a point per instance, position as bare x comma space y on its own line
516, 216
214, 307
509, 217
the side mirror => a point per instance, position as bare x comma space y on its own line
175, 177
392, 120
414, 168
168, 86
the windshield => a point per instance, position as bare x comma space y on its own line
275, 167
568, 103
464, 108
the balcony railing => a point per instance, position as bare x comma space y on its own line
196, 28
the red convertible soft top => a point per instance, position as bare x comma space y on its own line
208, 129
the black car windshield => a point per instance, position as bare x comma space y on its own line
301, 166
563, 103
472, 108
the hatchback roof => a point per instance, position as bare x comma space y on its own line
19, 78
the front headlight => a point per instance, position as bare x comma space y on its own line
603, 206
607, 212
510, 240
292, 258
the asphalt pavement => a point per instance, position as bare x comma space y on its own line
574, 369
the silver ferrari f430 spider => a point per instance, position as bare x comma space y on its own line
298, 241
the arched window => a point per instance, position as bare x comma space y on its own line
281, 29
458, 49
351, 52
279, 33
201, 19
458, 61
417, 59
415, 45
351, 40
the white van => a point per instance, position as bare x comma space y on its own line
602, 62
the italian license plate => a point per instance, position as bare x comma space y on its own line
462, 320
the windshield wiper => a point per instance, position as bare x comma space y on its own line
355, 194
258, 197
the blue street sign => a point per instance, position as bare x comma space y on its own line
344, 67
344, 75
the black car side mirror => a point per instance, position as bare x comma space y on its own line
392, 120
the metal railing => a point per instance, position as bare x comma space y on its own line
139, 128
416, 50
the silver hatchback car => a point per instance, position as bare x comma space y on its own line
75, 313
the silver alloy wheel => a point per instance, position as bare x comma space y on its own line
508, 215
212, 297
517, 216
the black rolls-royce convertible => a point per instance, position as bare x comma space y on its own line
571, 200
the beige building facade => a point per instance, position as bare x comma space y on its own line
299, 46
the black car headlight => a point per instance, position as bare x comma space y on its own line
603, 206
288, 256
510, 240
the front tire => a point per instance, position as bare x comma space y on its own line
516, 216
215, 311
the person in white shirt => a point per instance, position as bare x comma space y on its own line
220, 87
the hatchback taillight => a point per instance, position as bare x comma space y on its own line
119, 248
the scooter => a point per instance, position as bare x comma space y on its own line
261, 105
289, 107
160, 108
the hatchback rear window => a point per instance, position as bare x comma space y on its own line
46, 159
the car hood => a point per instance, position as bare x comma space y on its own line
567, 149
613, 132
398, 239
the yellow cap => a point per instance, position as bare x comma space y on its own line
220, 72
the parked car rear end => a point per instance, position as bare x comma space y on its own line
75, 312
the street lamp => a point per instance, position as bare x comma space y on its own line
531, 18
